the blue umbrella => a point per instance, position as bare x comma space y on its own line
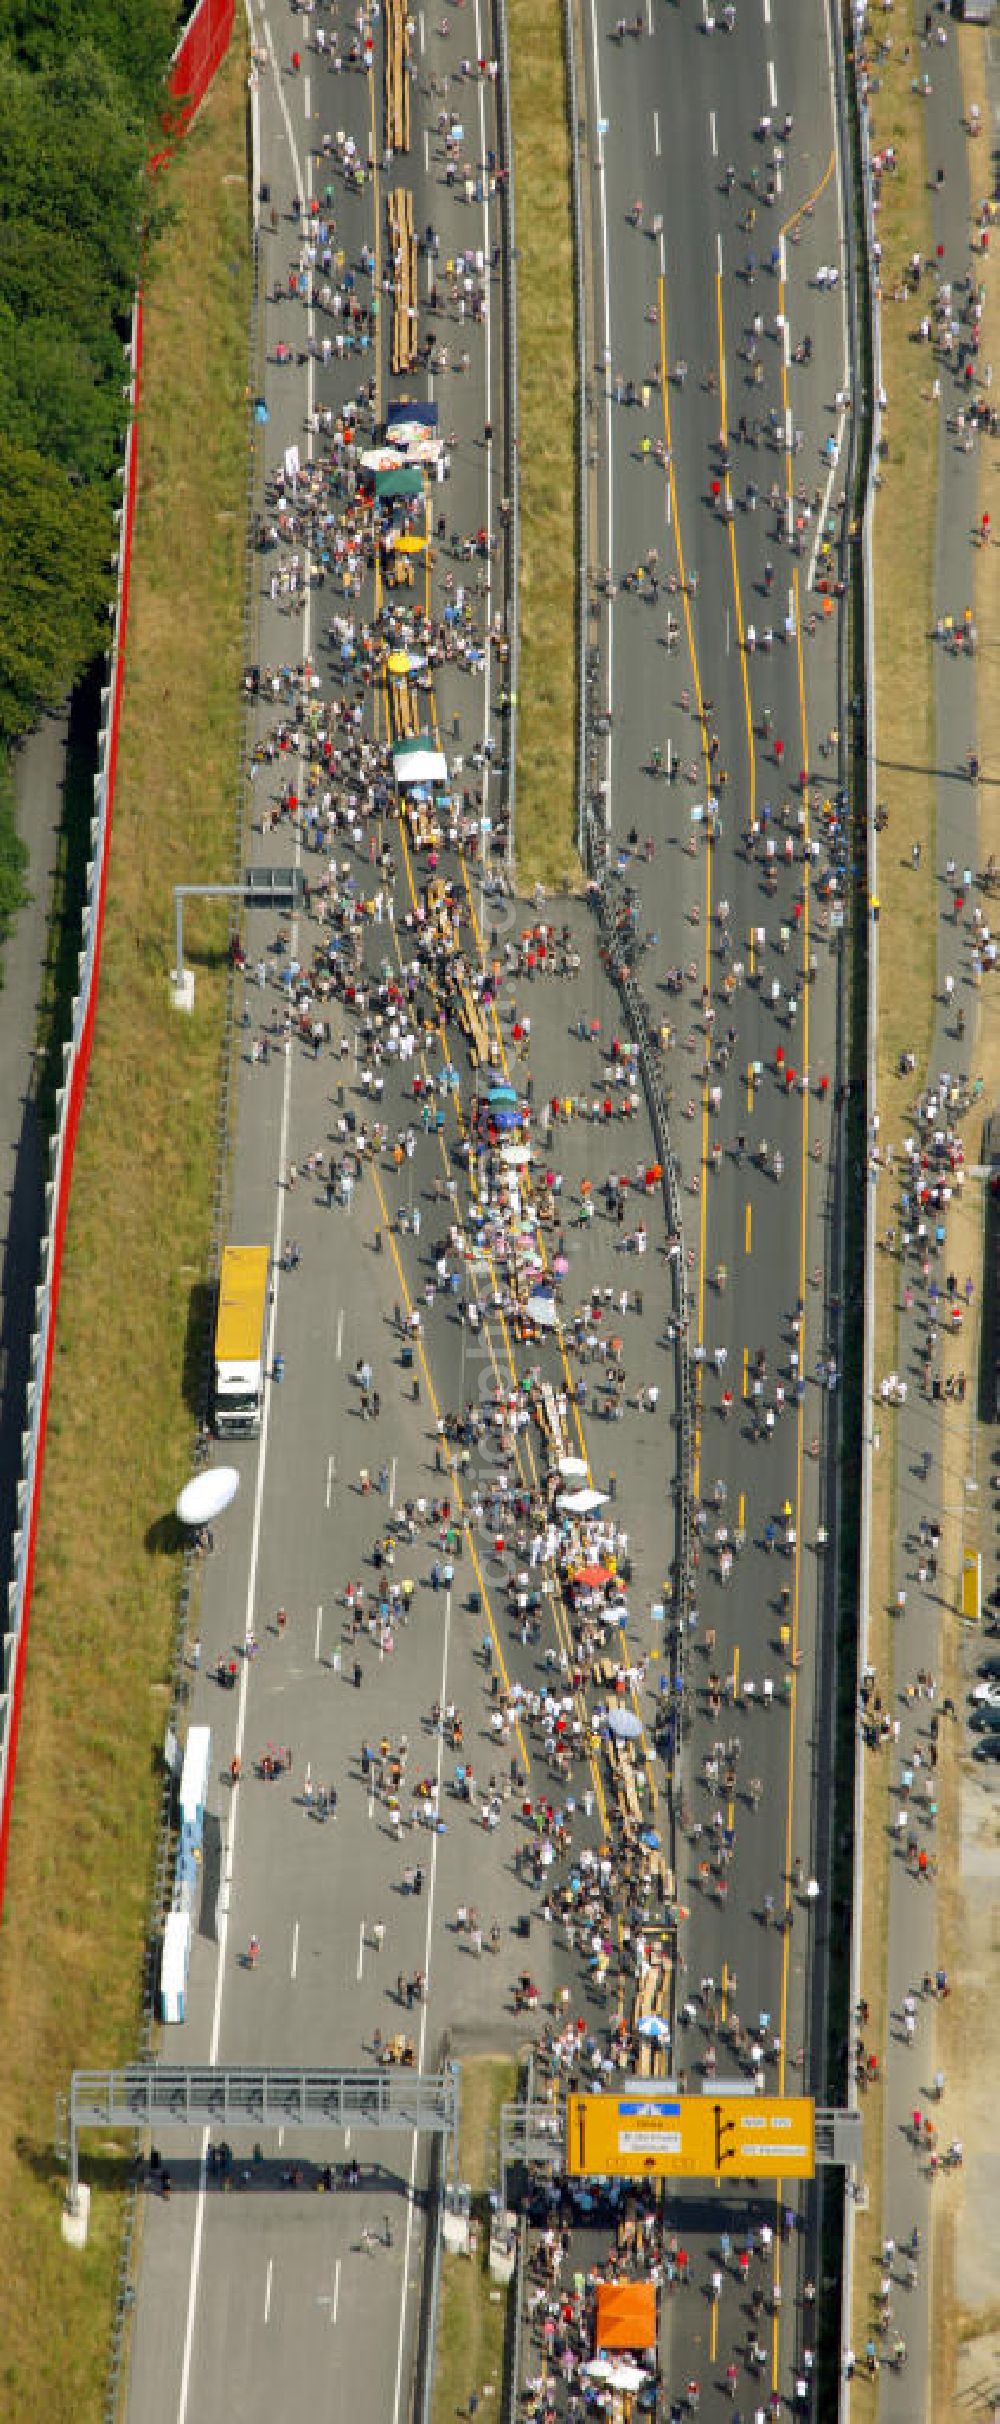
503, 1094
656, 2028
650, 1839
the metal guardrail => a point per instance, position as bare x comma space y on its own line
430, 2303
515, 2346
58, 1143
850, 100
425, 2358
513, 2399
512, 459
582, 540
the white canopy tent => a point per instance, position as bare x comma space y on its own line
418, 762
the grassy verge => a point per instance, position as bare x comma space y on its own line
119, 1430
473, 2311
904, 544
547, 407
963, 2336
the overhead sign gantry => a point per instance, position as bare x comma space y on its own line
645, 2130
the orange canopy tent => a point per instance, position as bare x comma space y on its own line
626, 2315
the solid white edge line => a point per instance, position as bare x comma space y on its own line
487, 416
224, 1895
432, 1880
608, 382
821, 520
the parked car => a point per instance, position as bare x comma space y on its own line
985, 1721
990, 1667
988, 1751
986, 1694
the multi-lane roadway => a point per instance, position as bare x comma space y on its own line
254, 2300
719, 380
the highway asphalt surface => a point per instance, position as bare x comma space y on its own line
241, 2298
251, 2301
670, 113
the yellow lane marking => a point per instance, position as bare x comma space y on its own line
703, 727
810, 200
427, 550
737, 596
447, 1454
522, 1448
377, 271
803, 1231
748, 1230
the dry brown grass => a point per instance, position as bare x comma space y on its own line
967, 2022
904, 537
547, 688
905, 605
119, 1432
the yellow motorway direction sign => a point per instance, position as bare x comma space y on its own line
645, 2131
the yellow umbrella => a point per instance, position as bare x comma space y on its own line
407, 544
399, 661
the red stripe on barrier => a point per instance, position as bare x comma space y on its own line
74, 1107
201, 49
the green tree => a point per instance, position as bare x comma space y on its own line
135, 37
55, 547
82, 86
72, 155
57, 398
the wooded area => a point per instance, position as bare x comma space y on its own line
81, 90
